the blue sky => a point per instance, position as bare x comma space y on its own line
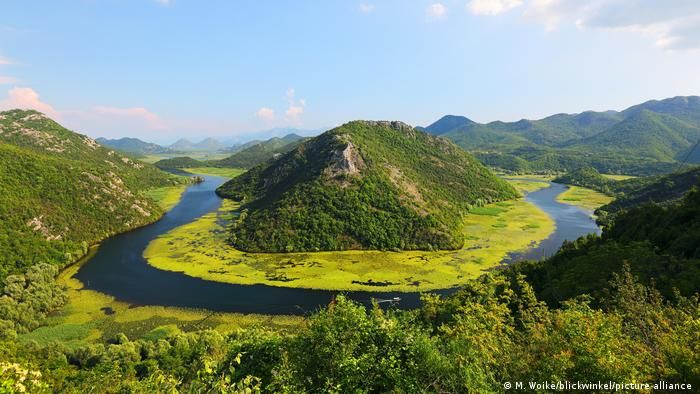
165, 69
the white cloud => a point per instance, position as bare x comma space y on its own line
164, 2
6, 61
148, 118
27, 98
492, 7
671, 24
293, 113
266, 114
5, 80
296, 107
366, 8
436, 10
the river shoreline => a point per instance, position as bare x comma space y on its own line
125, 275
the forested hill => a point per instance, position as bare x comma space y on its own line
635, 192
61, 191
260, 152
644, 139
364, 185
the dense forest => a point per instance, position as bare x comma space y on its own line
259, 153
62, 192
364, 185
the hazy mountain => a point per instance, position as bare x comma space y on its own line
133, 145
207, 144
260, 152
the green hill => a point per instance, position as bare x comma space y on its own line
588, 177
646, 139
133, 145
686, 108
364, 185
61, 191
179, 162
645, 134
260, 152
554, 130
662, 190
447, 124
206, 145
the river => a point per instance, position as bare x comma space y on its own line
118, 267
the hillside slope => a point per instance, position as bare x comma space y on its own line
133, 145
662, 190
364, 185
645, 139
260, 152
61, 191
645, 134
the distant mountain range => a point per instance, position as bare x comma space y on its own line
245, 140
134, 145
656, 131
223, 144
207, 144
260, 152
250, 154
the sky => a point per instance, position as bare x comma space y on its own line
164, 69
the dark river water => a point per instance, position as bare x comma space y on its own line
119, 269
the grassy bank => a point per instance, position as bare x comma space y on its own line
167, 197
92, 316
582, 197
224, 172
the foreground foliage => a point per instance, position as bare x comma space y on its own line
492, 331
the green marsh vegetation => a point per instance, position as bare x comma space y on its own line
216, 171
166, 196
200, 249
584, 197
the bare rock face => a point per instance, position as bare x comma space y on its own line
346, 161
393, 124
